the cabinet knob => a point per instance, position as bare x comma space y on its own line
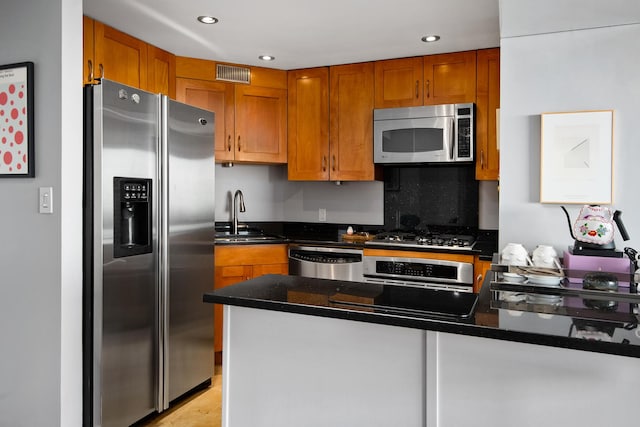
238, 142
481, 159
417, 89
333, 162
229, 143
428, 88
101, 67
324, 163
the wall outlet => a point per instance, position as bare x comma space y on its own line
322, 214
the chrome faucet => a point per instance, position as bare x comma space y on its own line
236, 196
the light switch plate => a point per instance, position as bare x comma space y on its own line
45, 200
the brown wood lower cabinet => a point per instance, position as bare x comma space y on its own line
480, 268
237, 263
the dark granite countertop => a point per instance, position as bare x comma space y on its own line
371, 245
613, 331
329, 235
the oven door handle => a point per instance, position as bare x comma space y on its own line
338, 258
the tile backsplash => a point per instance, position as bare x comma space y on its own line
430, 195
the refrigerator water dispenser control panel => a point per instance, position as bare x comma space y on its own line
132, 211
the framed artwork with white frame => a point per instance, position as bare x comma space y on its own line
576, 157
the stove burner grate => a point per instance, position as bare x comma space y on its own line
425, 239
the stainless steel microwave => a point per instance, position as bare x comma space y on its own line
428, 134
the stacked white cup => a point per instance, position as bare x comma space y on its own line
515, 254
546, 256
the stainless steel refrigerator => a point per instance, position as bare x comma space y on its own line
148, 252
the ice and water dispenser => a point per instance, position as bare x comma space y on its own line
132, 216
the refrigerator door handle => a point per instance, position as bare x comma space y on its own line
163, 267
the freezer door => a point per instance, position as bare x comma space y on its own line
125, 141
189, 205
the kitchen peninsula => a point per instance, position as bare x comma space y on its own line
313, 352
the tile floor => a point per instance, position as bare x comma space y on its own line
203, 409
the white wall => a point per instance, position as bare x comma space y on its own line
582, 69
269, 196
488, 205
40, 262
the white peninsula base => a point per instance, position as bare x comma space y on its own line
292, 370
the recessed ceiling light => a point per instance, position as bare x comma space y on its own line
207, 19
266, 57
429, 39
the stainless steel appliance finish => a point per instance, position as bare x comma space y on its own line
427, 134
188, 198
238, 203
419, 240
149, 209
429, 273
326, 263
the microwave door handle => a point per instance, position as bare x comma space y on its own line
452, 138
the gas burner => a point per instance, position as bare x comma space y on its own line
396, 236
424, 240
430, 240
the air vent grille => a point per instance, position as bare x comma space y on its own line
232, 73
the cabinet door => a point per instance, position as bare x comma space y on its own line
351, 118
261, 124
122, 57
308, 124
262, 269
88, 60
398, 82
162, 71
480, 268
216, 97
450, 78
487, 104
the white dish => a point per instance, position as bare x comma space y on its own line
512, 296
513, 277
536, 279
544, 299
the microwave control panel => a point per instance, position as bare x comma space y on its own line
464, 125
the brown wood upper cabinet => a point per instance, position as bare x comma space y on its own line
219, 98
250, 120
308, 124
398, 82
487, 103
450, 78
161, 71
330, 111
117, 56
261, 124
434, 79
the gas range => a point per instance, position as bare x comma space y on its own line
424, 240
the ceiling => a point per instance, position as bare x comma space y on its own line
304, 33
